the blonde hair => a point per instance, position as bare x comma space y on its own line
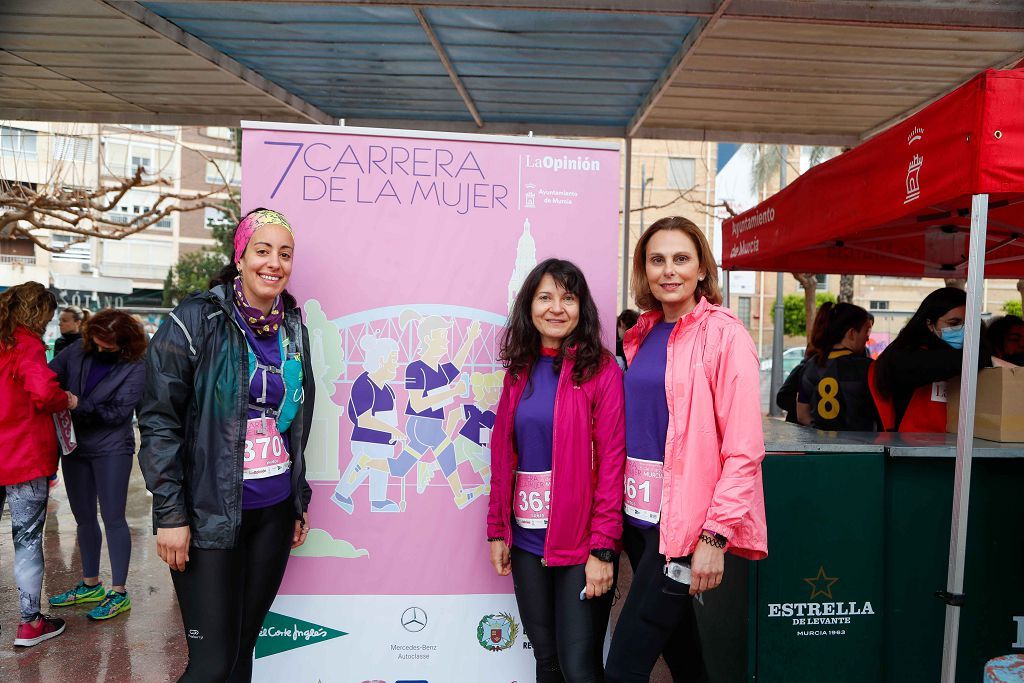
707, 288
481, 381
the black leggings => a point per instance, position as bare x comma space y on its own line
652, 622
567, 634
224, 595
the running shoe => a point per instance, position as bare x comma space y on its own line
35, 632
344, 502
79, 595
112, 605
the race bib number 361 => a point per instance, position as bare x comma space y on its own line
643, 489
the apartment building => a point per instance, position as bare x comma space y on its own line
130, 272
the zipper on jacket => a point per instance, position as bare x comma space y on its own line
554, 440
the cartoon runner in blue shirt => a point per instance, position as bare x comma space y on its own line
473, 438
431, 385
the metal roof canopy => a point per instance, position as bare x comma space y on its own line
819, 72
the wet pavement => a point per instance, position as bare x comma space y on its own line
144, 644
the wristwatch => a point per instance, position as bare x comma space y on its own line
603, 554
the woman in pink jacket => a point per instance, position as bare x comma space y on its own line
694, 448
29, 395
557, 453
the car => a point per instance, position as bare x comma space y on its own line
791, 358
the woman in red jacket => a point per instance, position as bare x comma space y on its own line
29, 395
557, 455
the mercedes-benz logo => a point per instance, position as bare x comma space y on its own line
414, 620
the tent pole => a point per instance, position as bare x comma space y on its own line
965, 433
627, 195
780, 312
725, 289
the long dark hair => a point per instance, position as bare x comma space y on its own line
916, 334
997, 330
832, 323
520, 342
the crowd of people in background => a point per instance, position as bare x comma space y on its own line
627, 421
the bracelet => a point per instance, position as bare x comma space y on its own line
492, 539
712, 541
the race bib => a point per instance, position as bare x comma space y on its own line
643, 490
485, 436
533, 499
939, 391
265, 454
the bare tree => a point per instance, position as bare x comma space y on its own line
27, 212
809, 282
846, 289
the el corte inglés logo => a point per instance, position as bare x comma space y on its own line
281, 633
497, 632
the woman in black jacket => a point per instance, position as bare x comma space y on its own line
70, 322
224, 421
107, 374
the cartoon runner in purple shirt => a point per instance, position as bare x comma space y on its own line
470, 428
374, 416
431, 385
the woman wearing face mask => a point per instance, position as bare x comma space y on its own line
694, 448
70, 322
557, 455
908, 381
834, 392
224, 420
106, 372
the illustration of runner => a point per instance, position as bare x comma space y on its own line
431, 385
470, 431
374, 416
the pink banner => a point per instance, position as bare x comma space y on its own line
408, 253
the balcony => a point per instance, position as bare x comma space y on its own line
18, 260
126, 218
137, 271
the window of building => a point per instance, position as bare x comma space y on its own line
822, 281
122, 157
81, 252
72, 148
878, 305
135, 203
743, 310
219, 170
18, 142
220, 132
682, 173
212, 216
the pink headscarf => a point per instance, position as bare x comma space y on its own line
253, 222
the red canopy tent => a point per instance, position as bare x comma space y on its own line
900, 203
940, 194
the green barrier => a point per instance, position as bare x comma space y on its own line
819, 594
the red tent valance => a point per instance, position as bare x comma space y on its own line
899, 204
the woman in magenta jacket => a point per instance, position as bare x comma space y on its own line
557, 455
29, 395
694, 448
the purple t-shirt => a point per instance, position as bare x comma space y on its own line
646, 405
534, 426
97, 371
476, 420
261, 493
422, 378
368, 397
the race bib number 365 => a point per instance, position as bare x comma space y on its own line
533, 499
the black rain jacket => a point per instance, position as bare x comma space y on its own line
192, 418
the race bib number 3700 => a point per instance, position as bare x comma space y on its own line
265, 454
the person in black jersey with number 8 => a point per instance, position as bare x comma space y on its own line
834, 393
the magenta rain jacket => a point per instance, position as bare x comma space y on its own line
714, 445
587, 464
